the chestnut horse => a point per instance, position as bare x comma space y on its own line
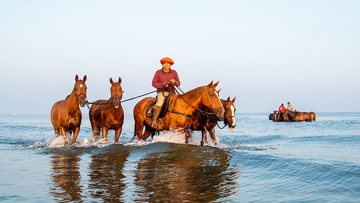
179, 113
108, 114
66, 115
206, 123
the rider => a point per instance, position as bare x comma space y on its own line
290, 107
282, 108
163, 80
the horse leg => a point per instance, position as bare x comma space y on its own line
76, 133
203, 137
63, 133
213, 136
95, 128
147, 133
117, 134
56, 130
104, 131
187, 136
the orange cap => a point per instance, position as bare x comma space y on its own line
167, 59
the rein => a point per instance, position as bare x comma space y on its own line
201, 111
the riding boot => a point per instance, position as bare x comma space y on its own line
155, 116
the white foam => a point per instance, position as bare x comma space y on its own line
56, 142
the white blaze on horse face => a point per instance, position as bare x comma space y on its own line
233, 122
81, 85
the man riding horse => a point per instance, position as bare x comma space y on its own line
163, 80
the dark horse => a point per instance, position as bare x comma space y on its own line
66, 115
108, 114
179, 113
298, 116
206, 123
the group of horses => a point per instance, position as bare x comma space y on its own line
292, 116
199, 109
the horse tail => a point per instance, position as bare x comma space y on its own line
134, 133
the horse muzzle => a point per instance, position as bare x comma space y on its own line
82, 100
116, 102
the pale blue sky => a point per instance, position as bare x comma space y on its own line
263, 52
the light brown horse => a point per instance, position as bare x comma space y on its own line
206, 123
181, 108
66, 115
108, 114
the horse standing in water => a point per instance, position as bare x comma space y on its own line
297, 116
108, 114
66, 115
206, 123
179, 113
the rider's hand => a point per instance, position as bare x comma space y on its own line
173, 81
166, 84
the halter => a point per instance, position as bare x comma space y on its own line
78, 95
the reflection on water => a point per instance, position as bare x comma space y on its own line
106, 175
185, 174
66, 177
160, 172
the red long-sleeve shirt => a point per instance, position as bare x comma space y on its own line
160, 78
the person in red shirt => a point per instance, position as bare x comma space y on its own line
164, 81
282, 108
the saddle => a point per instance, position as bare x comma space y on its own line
163, 110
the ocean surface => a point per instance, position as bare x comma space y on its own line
258, 161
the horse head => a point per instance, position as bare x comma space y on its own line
80, 90
229, 115
212, 101
116, 92
276, 115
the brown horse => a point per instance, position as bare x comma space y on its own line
206, 123
108, 114
66, 115
179, 113
297, 116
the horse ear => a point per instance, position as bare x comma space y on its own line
234, 100
228, 99
76, 77
211, 84
216, 84
84, 78
111, 81
119, 80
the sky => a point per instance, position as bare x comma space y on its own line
263, 52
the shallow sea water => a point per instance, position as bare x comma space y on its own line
259, 161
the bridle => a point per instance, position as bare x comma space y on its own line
201, 111
78, 95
